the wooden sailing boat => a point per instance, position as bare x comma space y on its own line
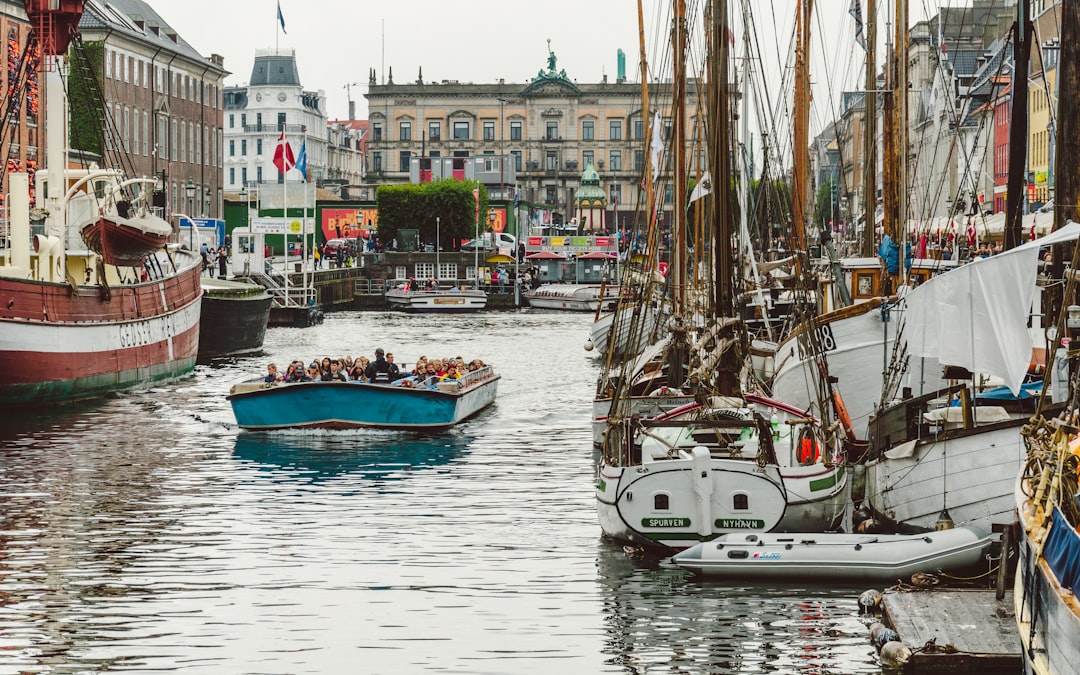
951, 456
726, 462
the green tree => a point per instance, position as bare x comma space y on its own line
87, 111
823, 207
417, 207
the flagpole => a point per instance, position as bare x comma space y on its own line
285, 210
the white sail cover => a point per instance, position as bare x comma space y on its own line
976, 316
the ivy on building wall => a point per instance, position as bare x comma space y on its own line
87, 109
417, 206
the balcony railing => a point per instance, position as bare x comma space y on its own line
274, 128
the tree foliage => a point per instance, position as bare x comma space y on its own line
416, 207
87, 111
823, 207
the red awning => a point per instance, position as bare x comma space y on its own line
545, 255
597, 255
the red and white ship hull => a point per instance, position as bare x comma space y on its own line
59, 344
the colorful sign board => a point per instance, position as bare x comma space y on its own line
582, 244
349, 223
497, 219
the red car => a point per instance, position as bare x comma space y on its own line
334, 245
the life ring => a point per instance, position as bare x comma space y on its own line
664, 391
809, 451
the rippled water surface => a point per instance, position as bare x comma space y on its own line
144, 533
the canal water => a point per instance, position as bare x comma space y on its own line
145, 533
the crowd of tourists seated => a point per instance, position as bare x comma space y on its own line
383, 370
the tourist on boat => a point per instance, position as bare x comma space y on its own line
314, 373
302, 374
336, 373
279, 379
357, 372
289, 370
298, 373
395, 372
324, 368
271, 373
378, 372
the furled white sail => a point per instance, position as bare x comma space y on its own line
976, 316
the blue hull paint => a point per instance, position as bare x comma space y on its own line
348, 405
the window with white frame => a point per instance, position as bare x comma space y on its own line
489, 130
400, 273
448, 271
424, 270
470, 272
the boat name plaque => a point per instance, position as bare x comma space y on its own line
740, 524
665, 522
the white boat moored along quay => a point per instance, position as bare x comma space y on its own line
437, 301
835, 556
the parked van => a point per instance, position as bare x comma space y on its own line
500, 241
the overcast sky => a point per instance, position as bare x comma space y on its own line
338, 41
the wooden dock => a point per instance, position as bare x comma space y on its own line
974, 632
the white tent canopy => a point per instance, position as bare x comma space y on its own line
976, 315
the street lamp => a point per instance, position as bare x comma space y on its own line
243, 198
190, 190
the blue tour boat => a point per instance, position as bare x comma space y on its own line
353, 405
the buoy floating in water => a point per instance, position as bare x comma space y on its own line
884, 636
588, 345
869, 601
895, 654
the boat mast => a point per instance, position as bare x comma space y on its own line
1018, 127
727, 370
678, 121
801, 146
649, 205
1066, 169
870, 131
901, 138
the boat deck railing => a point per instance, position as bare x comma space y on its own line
293, 296
369, 286
474, 376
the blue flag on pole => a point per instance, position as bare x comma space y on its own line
281, 17
301, 159
856, 12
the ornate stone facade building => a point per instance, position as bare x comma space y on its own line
549, 129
